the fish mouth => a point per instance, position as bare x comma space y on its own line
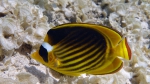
33, 55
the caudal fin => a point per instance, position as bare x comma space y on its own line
123, 50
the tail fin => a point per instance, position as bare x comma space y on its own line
123, 50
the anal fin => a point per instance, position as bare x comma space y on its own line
115, 66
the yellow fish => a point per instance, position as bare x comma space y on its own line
79, 48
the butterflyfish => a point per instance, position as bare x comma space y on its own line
79, 48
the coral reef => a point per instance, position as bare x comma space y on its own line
24, 23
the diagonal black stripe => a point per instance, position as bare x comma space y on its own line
73, 35
88, 58
91, 35
79, 40
79, 69
76, 34
81, 55
77, 50
101, 43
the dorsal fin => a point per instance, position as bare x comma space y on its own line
110, 34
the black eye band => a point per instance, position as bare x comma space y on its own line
43, 53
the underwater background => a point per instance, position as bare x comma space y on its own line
24, 24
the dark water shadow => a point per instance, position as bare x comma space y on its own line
40, 75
